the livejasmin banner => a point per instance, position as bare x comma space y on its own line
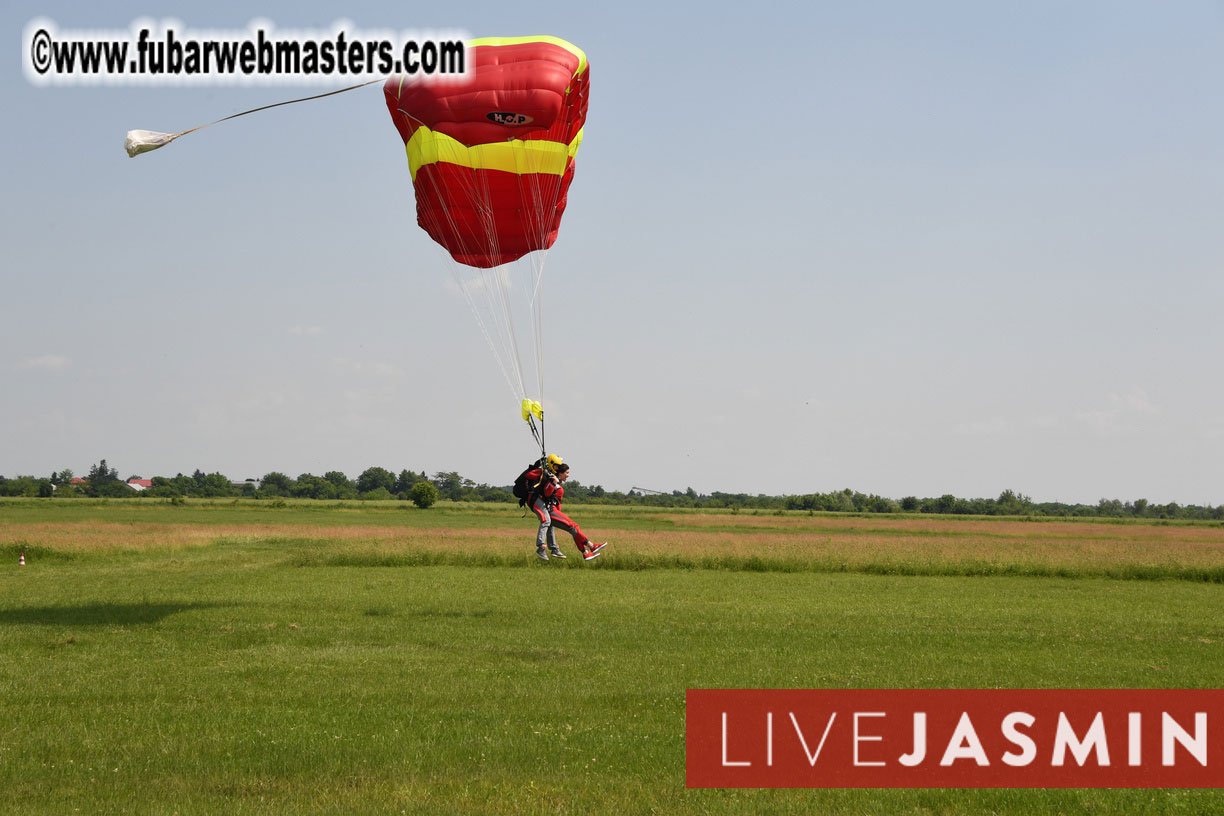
955, 738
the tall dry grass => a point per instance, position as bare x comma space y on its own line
691, 540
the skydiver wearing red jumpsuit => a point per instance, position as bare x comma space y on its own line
546, 503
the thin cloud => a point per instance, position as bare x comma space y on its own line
348, 366
987, 426
1122, 414
48, 362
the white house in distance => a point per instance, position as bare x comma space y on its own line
140, 484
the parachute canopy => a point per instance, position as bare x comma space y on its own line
492, 154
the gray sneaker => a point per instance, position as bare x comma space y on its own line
556, 554
541, 554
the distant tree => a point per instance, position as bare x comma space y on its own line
576, 491
163, 488
843, 501
314, 487
345, 487
424, 494
21, 486
404, 482
486, 493
377, 494
945, 503
213, 485
374, 478
450, 485
275, 484
1011, 503
183, 485
104, 482
341, 481
879, 504
101, 473
110, 489
909, 504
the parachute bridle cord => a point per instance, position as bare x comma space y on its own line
142, 141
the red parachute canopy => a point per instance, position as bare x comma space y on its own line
492, 155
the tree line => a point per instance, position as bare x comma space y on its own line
381, 484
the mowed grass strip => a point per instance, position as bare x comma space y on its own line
482, 535
228, 679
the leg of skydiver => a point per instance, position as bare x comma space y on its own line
568, 525
545, 531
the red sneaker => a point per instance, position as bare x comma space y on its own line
599, 547
587, 556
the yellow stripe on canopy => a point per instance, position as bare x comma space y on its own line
518, 156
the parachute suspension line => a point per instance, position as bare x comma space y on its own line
470, 290
534, 204
486, 285
493, 278
537, 313
499, 184
538, 433
539, 193
538, 213
498, 355
538, 198
500, 277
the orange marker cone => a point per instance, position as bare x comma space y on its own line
21, 560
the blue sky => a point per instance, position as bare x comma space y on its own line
911, 249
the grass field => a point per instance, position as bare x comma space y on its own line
305, 658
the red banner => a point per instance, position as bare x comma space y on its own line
954, 738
